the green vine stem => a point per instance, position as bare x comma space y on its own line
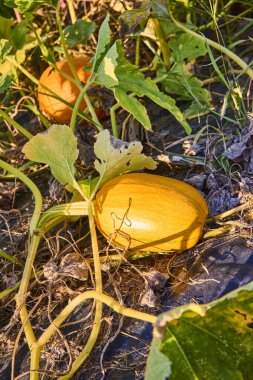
162, 43
137, 51
216, 46
100, 298
103, 298
34, 189
32, 250
99, 305
16, 125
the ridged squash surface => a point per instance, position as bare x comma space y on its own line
148, 212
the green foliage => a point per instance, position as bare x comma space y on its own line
5, 82
79, 32
185, 48
19, 35
117, 74
5, 49
181, 79
5, 27
103, 44
25, 6
112, 162
209, 342
137, 17
57, 147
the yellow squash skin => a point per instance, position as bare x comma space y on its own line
148, 212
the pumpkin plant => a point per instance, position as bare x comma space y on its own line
58, 148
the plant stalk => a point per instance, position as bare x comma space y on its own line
162, 42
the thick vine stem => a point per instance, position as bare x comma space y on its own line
162, 42
100, 297
216, 46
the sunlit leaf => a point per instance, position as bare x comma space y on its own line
5, 82
207, 342
56, 147
112, 162
123, 78
5, 49
79, 32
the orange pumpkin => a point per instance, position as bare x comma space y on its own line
64, 88
147, 212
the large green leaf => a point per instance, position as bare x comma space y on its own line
79, 32
206, 342
112, 162
56, 147
185, 47
123, 78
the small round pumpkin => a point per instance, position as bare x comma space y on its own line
148, 212
52, 79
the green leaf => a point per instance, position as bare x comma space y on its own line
5, 27
5, 49
158, 365
19, 34
104, 40
106, 71
79, 32
181, 82
138, 17
132, 80
56, 147
30, 5
5, 82
112, 162
185, 48
207, 342
117, 74
133, 106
